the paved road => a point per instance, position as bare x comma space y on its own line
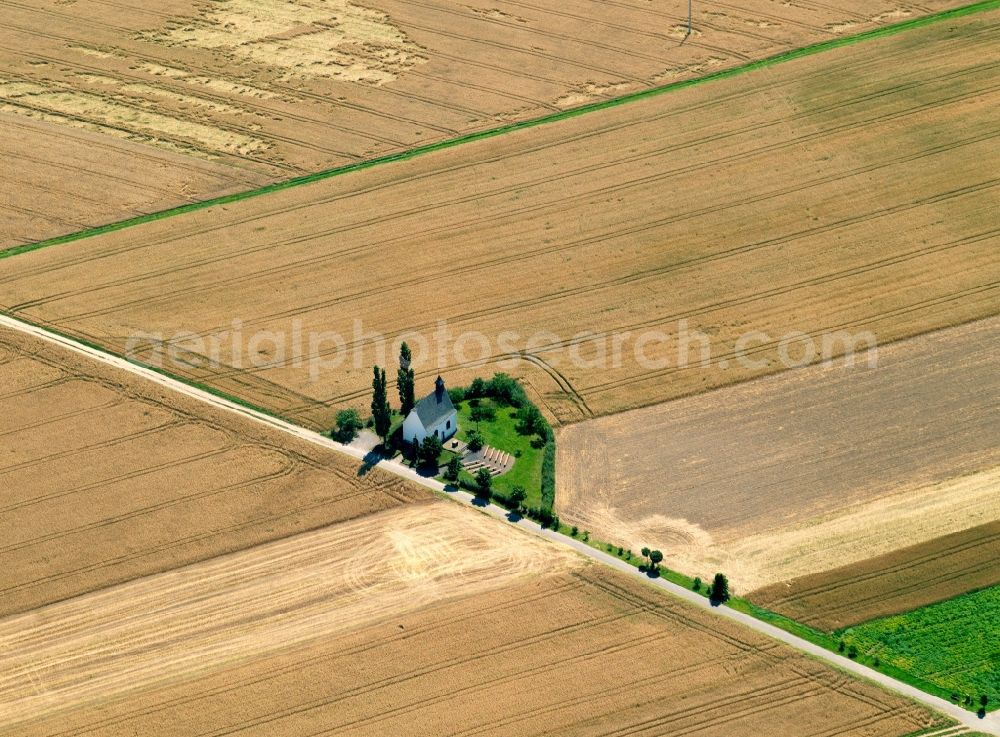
989, 725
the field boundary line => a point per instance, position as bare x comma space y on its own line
405, 155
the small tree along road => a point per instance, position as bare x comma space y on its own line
348, 425
484, 484
720, 589
655, 557
454, 467
430, 451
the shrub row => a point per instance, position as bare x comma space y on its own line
549, 475
501, 387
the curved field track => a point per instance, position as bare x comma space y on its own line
478, 645
285, 87
104, 478
203, 618
806, 471
768, 202
900, 581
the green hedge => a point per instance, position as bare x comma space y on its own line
549, 476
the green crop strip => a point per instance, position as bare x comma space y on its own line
952, 644
978, 7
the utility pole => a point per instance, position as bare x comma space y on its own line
690, 20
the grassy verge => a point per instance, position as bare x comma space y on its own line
834, 642
163, 372
816, 48
634, 559
952, 644
842, 647
780, 621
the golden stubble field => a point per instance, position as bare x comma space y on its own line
247, 605
809, 471
60, 180
851, 191
172, 571
429, 620
267, 90
105, 478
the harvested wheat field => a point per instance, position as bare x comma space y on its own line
900, 581
427, 620
105, 478
806, 471
284, 87
770, 202
63, 180
243, 606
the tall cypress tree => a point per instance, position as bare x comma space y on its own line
405, 380
381, 413
720, 589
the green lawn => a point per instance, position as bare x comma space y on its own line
954, 644
397, 423
502, 433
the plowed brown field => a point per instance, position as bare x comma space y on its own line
769, 202
291, 86
897, 582
105, 478
346, 632
803, 472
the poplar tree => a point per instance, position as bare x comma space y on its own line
405, 380
381, 413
